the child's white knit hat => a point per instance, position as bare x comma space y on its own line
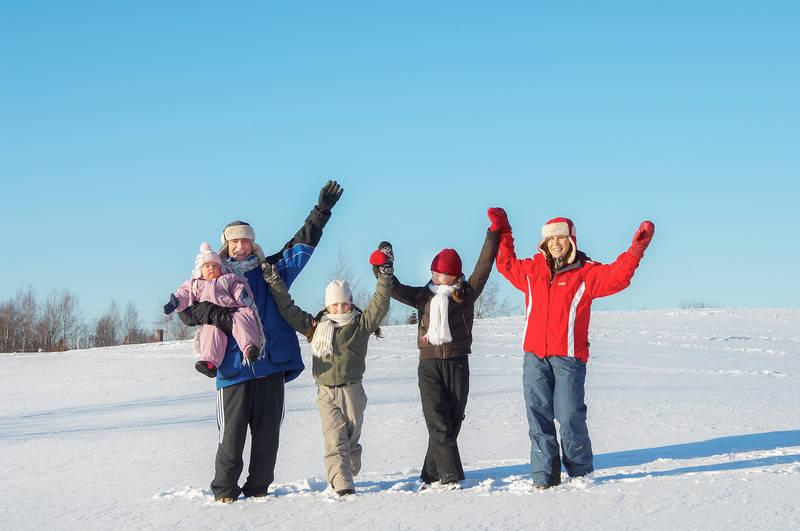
336, 292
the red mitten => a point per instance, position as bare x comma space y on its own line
642, 238
378, 258
499, 220
385, 249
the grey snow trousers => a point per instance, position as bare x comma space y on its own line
341, 413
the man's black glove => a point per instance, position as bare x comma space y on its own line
208, 313
172, 305
329, 195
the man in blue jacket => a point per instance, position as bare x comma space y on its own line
252, 393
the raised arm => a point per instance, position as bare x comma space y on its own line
180, 300
607, 279
294, 255
183, 295
405, 294
507, 262
483, 267
297, 318
379, 305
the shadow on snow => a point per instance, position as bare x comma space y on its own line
712, 447
514, 477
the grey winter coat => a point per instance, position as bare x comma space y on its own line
348, 362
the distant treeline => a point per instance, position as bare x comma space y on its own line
55, 324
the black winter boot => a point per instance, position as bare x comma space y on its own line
207, 368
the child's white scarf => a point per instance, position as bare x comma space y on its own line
322, 342
439, 327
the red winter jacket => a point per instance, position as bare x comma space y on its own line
558, 307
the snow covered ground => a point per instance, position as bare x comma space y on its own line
694, 417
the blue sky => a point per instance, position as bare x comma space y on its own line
132, 131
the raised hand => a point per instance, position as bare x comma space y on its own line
382, 254
172, 305
329, 195
382, 258
499, 220
270, 272
644, 234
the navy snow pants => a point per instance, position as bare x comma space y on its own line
554, 389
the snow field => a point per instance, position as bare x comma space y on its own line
694, 417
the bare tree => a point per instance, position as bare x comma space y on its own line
28, 326
107, 328
26, 309
489, 304
69, 319
48, 325
412, 318
174, 328
83, 336
8, 319
132, 329
342, 271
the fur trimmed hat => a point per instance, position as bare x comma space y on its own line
336, 292
560, 227
239, 230
447, 262
206, 255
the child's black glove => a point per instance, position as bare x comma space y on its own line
172, 305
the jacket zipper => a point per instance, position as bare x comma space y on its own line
333, 358
550, 298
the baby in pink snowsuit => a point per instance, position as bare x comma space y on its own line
208, 284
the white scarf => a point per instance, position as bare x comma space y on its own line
322, 342
439, 327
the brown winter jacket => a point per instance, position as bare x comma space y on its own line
460, 314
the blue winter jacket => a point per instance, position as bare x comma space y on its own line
282, 350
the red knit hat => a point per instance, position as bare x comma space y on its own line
560, 227
447, 262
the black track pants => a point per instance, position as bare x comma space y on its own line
257, 404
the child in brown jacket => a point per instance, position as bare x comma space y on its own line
445, 306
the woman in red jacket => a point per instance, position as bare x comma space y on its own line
559, 285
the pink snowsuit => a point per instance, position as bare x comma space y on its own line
230, 291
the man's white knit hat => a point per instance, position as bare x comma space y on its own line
238, 230
336, 292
